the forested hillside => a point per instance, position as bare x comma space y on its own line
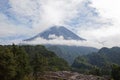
100, 63
37, 63
69, 53
27, 62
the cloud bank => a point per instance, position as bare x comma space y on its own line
41, 14
62, 41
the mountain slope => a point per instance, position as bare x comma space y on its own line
52, 61
56, 32
69, 53
102, 60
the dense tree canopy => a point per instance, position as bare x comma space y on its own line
100, 61
19, 62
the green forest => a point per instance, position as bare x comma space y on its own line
104, 62
28, 62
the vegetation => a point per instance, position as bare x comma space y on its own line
99, 63
69, 53
31, 62
28, 62
115, 72
7, 64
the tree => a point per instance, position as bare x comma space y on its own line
95, 71
22, 62
40, 64
16, 62
7, 64
115, 72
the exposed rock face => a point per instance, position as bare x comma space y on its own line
66, 75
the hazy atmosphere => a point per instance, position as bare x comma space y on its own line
97, 21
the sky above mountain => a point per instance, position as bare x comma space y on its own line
98, 21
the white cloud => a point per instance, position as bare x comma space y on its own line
53, 36
41, 14
44, 12
107, 8
91, 21
59, 41
108, 33
8, 29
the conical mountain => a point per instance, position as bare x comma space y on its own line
57, 32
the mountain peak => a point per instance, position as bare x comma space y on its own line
57, 32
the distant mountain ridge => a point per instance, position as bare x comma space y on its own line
69, 53
56, 32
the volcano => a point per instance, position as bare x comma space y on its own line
57, 32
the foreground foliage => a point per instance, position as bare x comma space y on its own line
115, 72
26, 62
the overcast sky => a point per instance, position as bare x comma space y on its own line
98, 21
